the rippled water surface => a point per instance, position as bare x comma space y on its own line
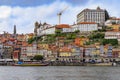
59, 73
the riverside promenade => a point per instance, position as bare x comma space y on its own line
62, 63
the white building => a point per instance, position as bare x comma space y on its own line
45, 29
93, 15
28, 51
65, 30
82, 27
112, 35
87, 26
111, 21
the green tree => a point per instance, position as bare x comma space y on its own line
71, 36
30, 40
109, 28
96, 36
38, 57
50, 38
110, 41
82, 36
113, 22
77, 31
87, 43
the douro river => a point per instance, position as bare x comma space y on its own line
59, 73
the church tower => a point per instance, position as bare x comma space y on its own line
37, 25
14, 32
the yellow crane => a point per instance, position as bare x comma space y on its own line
60, 13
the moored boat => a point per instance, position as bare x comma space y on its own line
100, 64
31, 64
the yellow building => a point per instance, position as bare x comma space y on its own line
97, 48
43, 46
81, 41
65, 51
115, 27
28, 36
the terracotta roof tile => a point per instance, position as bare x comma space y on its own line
24, 44
65, 49
63, 26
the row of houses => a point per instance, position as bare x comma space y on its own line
12, 48
68, 52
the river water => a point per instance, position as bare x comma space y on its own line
59, 73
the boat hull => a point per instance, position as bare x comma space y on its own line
30, 64
100, 64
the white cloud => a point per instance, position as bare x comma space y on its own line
25, 17
5, 12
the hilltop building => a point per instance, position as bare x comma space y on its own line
112, 35
93, 15
82, 27
112, 21
44, 29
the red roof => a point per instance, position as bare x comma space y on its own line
65, 49
4, 40
30, 34
29, 45
11, 39
53, 48
63, 26
24, 44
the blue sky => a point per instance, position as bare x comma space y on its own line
24, 13
26, 3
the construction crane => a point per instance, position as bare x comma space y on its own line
60, 13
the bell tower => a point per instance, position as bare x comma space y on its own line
14, 32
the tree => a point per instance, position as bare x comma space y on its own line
58, 31
82, 36
50, 38
110, 41
113, 22
109, 28
71, 36
87, 43
77, 31
30, 40
38, 57
96, 36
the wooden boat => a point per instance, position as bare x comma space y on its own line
100, 64
42, 64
